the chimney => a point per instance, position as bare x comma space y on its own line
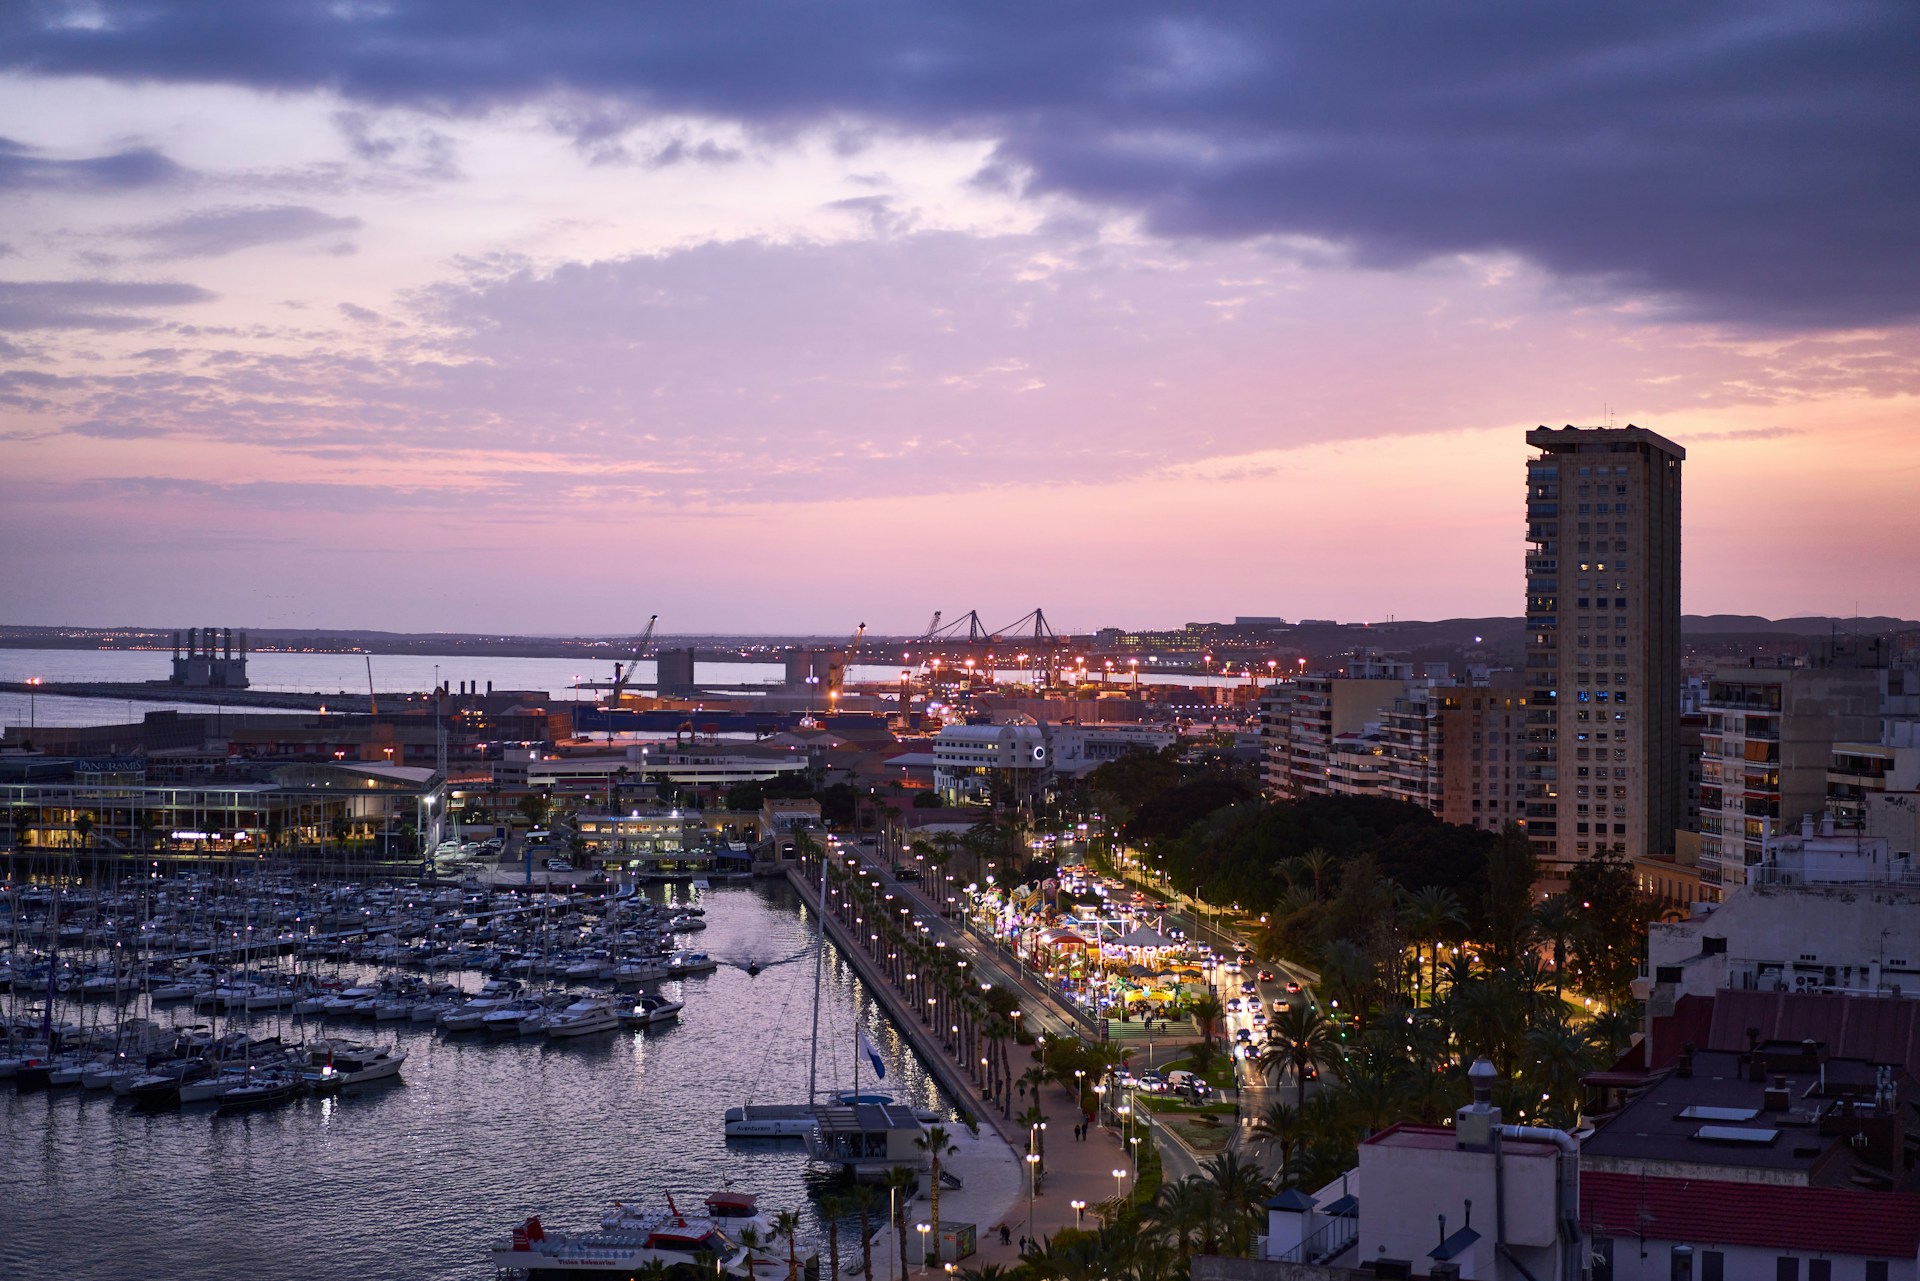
1685, 1066
1474, 1124
1806, 825
1826, 825
1776, 1097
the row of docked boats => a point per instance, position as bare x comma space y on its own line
159, 1067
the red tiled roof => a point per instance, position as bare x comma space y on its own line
1879, 1029
1706, 1212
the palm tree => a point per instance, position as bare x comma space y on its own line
1181, 1213
863, 1201
1560, 1057
832, 1209
936, 1143
1206, 1012
1556, 919
1302, 1035
1242, 1190
1081, 1258
900, 1179
1281, 1125
1428, 913
1611, 1031
83, 828
1313, 865
787, 1224
750, 1242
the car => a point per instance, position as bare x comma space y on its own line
1232, 967
1293, 987
1233, 1005
1253, 1003
559, 865
1248, 989
1266, 976
1260, 1020
1243, 1036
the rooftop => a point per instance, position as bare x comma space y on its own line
1705, 1213
1783, 1109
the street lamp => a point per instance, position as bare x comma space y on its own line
1033, 1187
924, 1229
1119, 1184
1079, 1209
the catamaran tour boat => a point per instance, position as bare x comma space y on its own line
630, 1238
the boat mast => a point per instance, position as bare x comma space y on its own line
819, 962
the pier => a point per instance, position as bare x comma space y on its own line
168, 692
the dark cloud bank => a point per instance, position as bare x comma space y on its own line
1747, 162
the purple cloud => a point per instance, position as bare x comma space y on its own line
1749, 162
214, 233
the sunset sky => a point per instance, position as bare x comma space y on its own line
461, 315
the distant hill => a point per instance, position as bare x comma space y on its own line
1753, 624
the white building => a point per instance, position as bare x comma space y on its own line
1824, 911
651, 763
967, 759
1480, 1201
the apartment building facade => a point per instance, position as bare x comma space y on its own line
1765, 755
1602, 754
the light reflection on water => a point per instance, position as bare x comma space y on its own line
414, 1179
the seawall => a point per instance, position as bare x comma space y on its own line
925, 1045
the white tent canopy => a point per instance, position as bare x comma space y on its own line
1144, 938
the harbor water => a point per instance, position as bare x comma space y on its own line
347, 674
414, 1178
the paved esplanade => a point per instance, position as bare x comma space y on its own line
1073, 1170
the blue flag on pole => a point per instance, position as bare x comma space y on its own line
873, 1056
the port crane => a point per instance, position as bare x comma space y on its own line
622, 677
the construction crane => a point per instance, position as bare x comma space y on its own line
932, 627
623, 677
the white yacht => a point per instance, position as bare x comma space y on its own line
506, 1019
649, 1010
583, 1017
631, 973
684, 963
467, 1017
332, 1065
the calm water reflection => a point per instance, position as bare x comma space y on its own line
412, 1179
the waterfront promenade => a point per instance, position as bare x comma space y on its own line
1073, 1170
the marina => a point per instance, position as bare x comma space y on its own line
422, 1170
